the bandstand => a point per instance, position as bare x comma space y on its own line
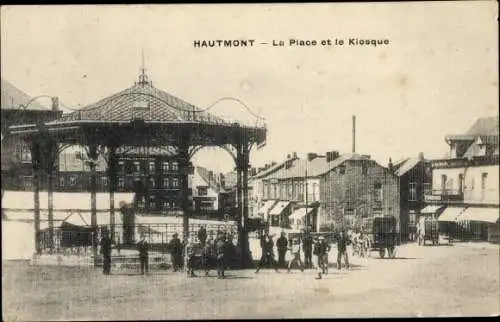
139, 116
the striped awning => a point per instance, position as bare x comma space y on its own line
266, 207
431, 209
488, 215
451, 213
279, 207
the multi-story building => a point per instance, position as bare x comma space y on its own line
330, 189
153, 174
18, 107
354, 187
259, 199
415, 179
465, 187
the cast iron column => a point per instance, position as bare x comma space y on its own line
242, 164
112, 173
92, 154
184, 169
37, 167
51, 156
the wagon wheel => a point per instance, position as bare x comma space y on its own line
382, 253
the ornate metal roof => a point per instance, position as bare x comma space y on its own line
142, 101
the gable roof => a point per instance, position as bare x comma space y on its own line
485, 126
212, 183
12, 98
316, 167
274, 168
409, 164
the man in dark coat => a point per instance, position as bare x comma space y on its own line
342, 243
106, 253
282, 246
143, 248
202, 235
221, 248
321, 249
307, 245
267, 245
175, 247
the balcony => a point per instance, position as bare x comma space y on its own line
444, 195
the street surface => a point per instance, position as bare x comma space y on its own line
459, 280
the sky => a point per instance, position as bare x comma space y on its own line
437, 75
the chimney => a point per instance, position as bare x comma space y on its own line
253, 171
311, 156
421, 156
390, 166
273, 163
354, 134
328, 156
294, 155
210, 175
55, 103
288, 156
335, 155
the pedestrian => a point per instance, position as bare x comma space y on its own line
321, 249
295, 255
267, 246
106, 253
342, 243
307, 245
282, 246
143, 248
190, 258
221, 246
202, 235
175, 247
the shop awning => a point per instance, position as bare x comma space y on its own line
300, 213
431, 209
489, 215
266, 207
279, 207
451, 214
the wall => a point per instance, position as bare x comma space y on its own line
355, 195
472, 183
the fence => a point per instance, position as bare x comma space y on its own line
78, 240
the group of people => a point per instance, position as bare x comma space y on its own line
306, 244
217, 251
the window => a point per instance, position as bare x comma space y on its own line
137, 166
412, 189
484, 176
166, 183
152, 203
152, 183
174, 205
165, 166
342, 169
443, 182
175, 166
364, 169
121, 183
61, 181
121, 167
72, 180
202, 191
105, 181
25, 153
378, 192
151, 166
460, 183
28, 182
166, 205
175, 183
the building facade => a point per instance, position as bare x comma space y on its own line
465, 187
415, 181
354, 187
18, 107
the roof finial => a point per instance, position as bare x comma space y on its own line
143, 77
